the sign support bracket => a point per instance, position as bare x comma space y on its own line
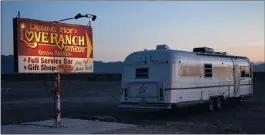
18, 14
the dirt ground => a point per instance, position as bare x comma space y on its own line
31, 101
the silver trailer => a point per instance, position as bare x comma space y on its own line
165, 78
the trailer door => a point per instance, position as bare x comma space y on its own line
236, 77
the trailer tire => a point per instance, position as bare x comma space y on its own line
241, 101
238, 101
212, 104
220, 103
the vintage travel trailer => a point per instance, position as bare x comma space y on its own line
165, 78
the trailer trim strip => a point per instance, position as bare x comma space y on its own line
202, 87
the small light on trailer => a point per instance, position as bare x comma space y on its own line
121, 91
125, 93
161, 94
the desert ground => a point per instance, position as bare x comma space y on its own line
29, 101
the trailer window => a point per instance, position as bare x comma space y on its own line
245, 71
142, 73
247, 75
243, 74
208, 70
250, 71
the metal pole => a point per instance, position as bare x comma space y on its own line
57, 122
64, 20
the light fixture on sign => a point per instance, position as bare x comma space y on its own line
93, 17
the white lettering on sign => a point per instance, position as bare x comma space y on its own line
36, 64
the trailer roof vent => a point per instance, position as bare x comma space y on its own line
204, 50
221, 53
162, 47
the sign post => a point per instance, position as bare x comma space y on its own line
52, 47
58, 100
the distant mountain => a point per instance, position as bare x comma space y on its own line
108, 67
7, 66
260, 67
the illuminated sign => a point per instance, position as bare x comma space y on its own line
49, 47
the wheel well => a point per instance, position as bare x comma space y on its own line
217, 96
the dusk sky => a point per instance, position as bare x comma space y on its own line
124, 27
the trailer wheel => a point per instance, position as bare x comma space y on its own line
238, 100
212, 105
220, 103
241, 101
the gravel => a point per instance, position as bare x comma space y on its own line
31, 101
